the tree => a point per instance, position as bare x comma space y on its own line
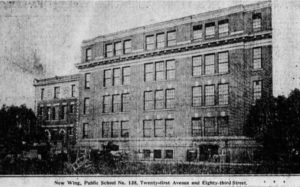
275, 124
18, 128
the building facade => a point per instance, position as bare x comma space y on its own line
56, 106
178, 90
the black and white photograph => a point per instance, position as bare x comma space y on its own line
150, 93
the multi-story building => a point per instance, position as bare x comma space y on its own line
56, 106
179, 89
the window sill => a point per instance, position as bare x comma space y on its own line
158, 81
165, 109
211, 106
211, 75
114, 113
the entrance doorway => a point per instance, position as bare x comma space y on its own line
207, 152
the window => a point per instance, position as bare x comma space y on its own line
115, 129
73, 91
147, 128
126, 75
146, 153
125, 129
125, 102
87, 79
197, 32
127, 46
85, 130
209, 126
116, 103
209, 95
160, 40
210, 30
106, 129
148, 72
256, 22
159, 99
209, 64
257, 87
148, 100
53, 113
223, 62
118, 48
257, 58
223, 28
150, 42
170, 69
171, 38
40, 111
88, 54
159, 128
109, 50
196, 96
223, 94
159, 71
56, 92
48, 115
86, 105
170, 98
106, 104
116, 76
42, 93
169, 154
169, 127
196, 127
223, 125
72, 108
63, 112
107, 77
157, 154
197, 65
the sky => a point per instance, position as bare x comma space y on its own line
42, 39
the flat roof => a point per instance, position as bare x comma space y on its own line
56, 79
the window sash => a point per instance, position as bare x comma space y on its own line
106, 104
126, 75
85, 130
116, 103
127, 46
223, 29
171, 38
209, 64
56, 92
159, 99
209, 126
106, 130
115, 129
170, 98
223, 62
125, 129
256, 24
150, 42
107, 77
197, 96
223, 94
197, 65
159, 71
86, 104
257, 58
87, 80
147, 128
169, 127
196, 127
197, 32
149, 101
146, 153
118, 48
88, 54
117, 76
210, 31
209, 95
157, 154
109, 50
149, 72
160, 40
257, 90
223, 123
169, 154
170, 69
125, 102
159, 129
